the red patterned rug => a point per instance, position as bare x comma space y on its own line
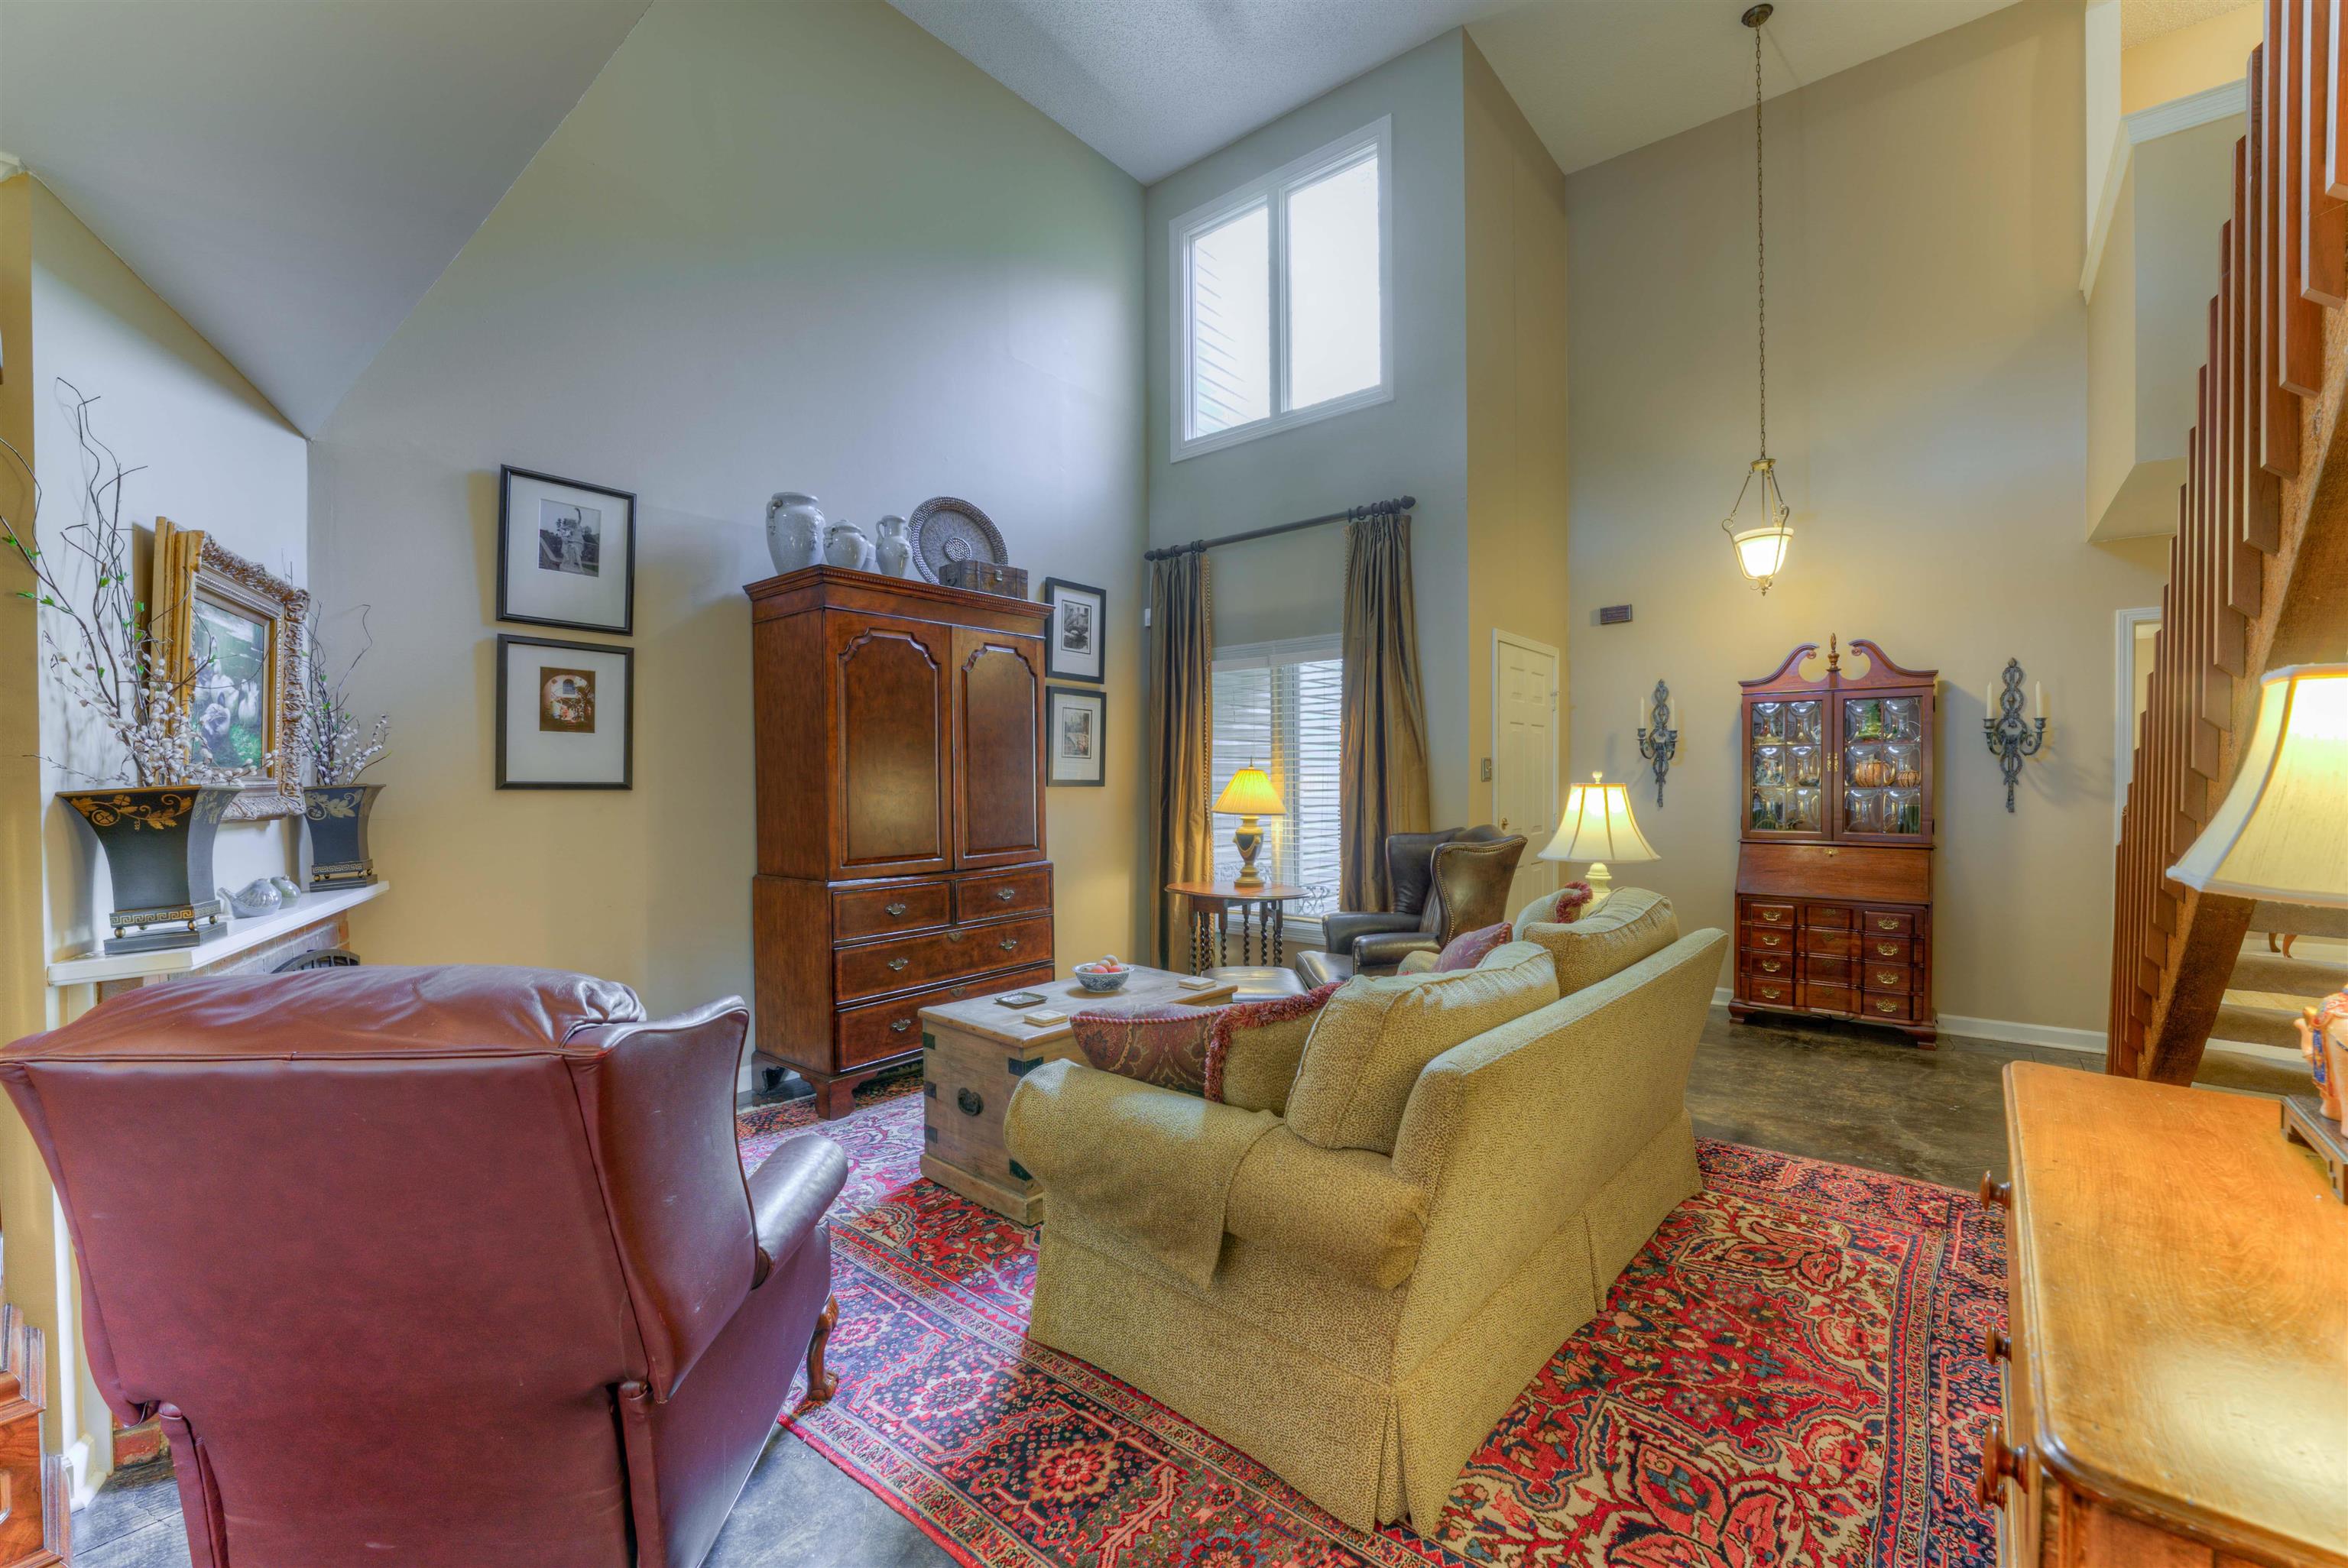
1789, 1375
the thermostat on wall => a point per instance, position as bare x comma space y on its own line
1613, 615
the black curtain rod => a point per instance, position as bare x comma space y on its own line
1399, 504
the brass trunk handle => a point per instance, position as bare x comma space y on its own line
895, 910
895, 964
901, 1026
1006, 894
1008, 943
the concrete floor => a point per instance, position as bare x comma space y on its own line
1830, 1091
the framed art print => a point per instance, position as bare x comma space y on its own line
566, 715
1073, 648
231, 635
566, 553
1075, 729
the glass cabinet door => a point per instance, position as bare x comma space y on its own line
1883, 748
1785, 766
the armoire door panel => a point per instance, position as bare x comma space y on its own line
892, 702
997, 761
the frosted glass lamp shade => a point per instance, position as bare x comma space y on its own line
2281, 832
1249, 793
1761, 552
1598, 825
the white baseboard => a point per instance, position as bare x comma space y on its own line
81, 1487
2090, 1041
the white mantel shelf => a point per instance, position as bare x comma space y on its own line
242, 936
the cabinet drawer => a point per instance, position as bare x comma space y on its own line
1826, 971
878, 1029
1896, 1010
1771, 966
1829, 998
1011, 893
881, 968
1893, 979
1759, 940
1831, 916
1877, 949
1760, 914
896, 906
1828, 943
1768, 992
1887, 923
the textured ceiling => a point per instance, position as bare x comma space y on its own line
2142, 19
1155, 85
291, 178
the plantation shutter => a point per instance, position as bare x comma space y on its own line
1276, 706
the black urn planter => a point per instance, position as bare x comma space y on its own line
157, 840
338, 834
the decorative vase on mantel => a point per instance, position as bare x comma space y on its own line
157, 840
338, 834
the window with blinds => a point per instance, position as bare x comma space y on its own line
1276, 706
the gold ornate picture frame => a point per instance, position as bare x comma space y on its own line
230, 633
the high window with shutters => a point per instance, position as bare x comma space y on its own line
1276, 706
1282, 303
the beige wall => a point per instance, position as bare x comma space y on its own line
1926, 376
774, 247
1517, 473
2190, 59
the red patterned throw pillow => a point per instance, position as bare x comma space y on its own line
1178, 1047
1572, 900
1468, 949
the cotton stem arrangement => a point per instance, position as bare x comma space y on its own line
329, 729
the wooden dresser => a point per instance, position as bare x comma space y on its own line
2177, 1358
901, 813
1833, 871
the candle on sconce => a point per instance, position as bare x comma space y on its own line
2038, 700
1989, 698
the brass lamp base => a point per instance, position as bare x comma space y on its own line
1248, 838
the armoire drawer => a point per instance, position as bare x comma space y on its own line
890, 1027
881, 968
892, 907
1022, 892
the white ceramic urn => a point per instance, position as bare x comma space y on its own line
795, 531
847, 546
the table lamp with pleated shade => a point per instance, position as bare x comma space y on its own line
1599, 827
2281, 832
1248, 796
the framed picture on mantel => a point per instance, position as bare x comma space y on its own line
566, 553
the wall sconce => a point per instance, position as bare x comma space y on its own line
1659, 742
2010, 738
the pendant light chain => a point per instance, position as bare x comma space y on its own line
1760, 244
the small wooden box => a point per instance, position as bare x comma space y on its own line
985, 577
974, 1054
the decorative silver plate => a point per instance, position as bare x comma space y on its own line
946, 529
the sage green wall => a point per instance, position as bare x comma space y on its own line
773, 247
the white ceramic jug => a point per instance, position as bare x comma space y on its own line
894, 549
795, 531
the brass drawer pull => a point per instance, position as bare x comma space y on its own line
1773, 916
1886, 950
969, 1102
895, 964
1887, 1006
895, 910
1887, 977
1006, 894
1995, 1194
901, 1026
1772, 966
1771, 940
1886, 925
1008, 943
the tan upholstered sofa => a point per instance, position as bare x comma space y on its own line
1353, 1265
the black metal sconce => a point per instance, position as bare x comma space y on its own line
2011, 737
1658, 741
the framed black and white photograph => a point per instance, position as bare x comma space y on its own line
566, 553
1074, 637
1075, 735
566, 715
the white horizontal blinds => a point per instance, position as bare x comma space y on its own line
1276, 706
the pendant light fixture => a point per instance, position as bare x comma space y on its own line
1761, 547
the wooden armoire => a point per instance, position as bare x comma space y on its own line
901, 813
1834, 875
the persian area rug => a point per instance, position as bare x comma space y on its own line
1789, 1375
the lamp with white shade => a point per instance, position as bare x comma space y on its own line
1599, 827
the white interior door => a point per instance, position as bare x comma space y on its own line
1524, 755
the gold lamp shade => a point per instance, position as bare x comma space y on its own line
1599, 827
2281, 832
1249, 796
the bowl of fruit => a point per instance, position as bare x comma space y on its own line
1103, 975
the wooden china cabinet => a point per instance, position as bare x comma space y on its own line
901, 813
1834, 878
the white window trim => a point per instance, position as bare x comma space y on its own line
1271, 191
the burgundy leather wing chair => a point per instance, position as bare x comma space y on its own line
432, 1266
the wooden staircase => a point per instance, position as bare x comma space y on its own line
2257, 574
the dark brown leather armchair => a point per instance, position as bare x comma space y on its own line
1440, 884
432, 1266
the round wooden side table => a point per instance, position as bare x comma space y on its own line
1261, 920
